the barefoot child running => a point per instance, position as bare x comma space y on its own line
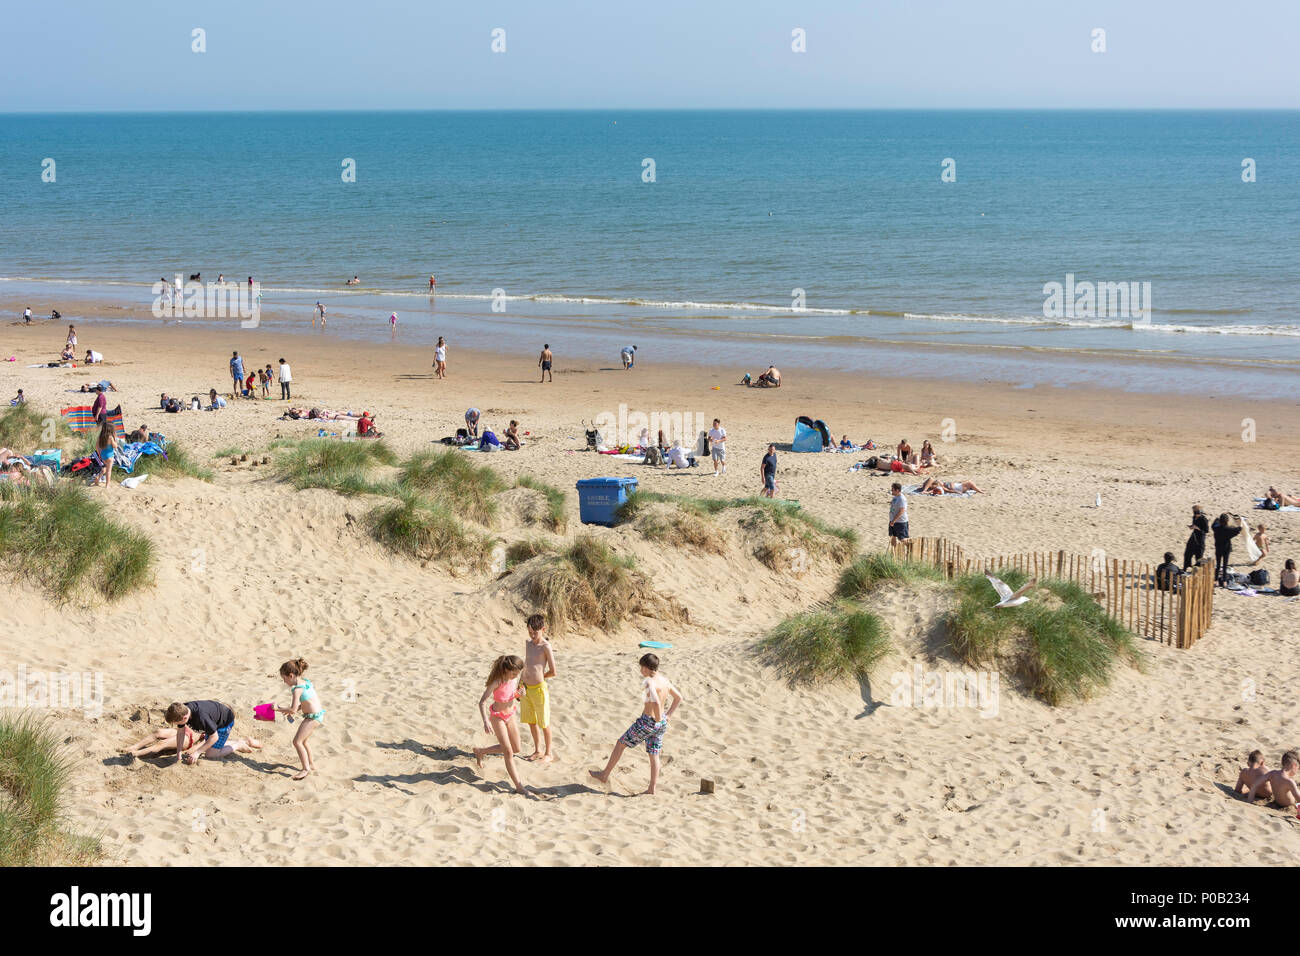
498, 718
535, 711
306, 702
652, 723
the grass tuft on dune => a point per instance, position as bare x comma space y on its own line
35, 773
453, 478
427, 531
340, 466
63, 538
1061, 642
837, 642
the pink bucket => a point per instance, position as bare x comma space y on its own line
264, 712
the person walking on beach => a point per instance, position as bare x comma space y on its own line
1195, 548
768, 472
307, 703
286, 378
897, 514
433, 284
320, 313
440, 358
545, 362
27, 315
629, 356
661, 701
72, 336
499, 716
718, 446
392, 321
237, 371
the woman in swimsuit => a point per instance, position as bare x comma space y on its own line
305, 702
928, 457
498, 718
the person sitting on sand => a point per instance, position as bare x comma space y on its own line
1288, 582
747, 381
502, 689
661, 700
19, 399
904, 450
676, 456
771, 378
67, 355
1167, 574
1251, 774
1279, 784
141, 434
215, 401
928, 458
366, 427
1261, 542
211, 718
512, 436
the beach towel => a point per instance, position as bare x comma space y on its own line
81, 418
125, 457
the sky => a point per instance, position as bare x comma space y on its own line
137, 55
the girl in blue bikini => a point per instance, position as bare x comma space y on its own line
306, 702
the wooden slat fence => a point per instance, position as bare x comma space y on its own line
1126, 589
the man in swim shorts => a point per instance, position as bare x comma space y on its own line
211, 718
545, 362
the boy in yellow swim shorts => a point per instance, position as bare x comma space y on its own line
535, 709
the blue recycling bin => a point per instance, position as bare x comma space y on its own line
599, 498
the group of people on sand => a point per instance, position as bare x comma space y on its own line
247, 382
769, 379
1223, 530
202, 728
488, 440
504, 699
1258, 782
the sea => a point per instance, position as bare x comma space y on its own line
1146, 251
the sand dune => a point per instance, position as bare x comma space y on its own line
251, 572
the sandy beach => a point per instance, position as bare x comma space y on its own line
251, 572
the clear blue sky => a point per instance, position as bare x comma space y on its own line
431, 54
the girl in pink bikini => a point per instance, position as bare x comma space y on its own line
499, 716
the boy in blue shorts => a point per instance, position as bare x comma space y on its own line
211, 718
651, 725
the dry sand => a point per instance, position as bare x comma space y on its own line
251, 573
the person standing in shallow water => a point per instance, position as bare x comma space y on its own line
545, 361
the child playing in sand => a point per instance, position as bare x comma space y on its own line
306, 702
211, 718
164, 741
1251, 773
652, 723
502, 688
539, 665
1279, 784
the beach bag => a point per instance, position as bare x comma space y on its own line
1259, 577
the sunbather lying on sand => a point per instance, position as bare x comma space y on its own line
933, 486
1283, 500
887, 463
323, 414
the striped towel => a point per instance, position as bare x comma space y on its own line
81, 418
